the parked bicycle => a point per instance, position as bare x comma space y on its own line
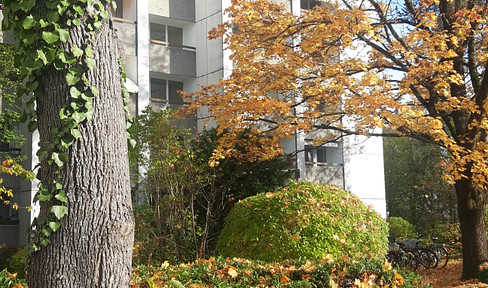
411, 255
440, 251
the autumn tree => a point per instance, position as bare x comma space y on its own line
72, 81
348, 67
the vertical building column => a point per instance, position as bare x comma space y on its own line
143, 78
299, 135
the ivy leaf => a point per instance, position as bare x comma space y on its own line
44, 242
29, 22
77, 52
46, 232
76, 133
63, 34
44, 197
78, 9
41, 55
59, 211
67, 141
104, 14
32, 126
89, 52
52, 17
72, 79
74, 92
94, 90
27, 5
61, 196
90, 63
78, 117
97, 25
58, 159
77, 21
54, 226
50, 37
65, 57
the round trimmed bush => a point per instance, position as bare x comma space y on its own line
303, 221
400, 227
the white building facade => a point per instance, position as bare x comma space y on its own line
166, 50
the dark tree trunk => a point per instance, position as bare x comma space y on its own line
93, 246
471, 207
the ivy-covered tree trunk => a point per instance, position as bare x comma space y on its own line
93, 245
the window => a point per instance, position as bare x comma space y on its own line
166, 91
164, 33
119, 12
310, 4
330, 153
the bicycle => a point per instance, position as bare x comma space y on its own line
441, 252
425, 257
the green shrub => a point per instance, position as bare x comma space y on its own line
303, 221
400, 227
16, 263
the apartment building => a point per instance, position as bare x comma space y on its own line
166, 50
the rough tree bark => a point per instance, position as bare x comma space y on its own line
93, 246
471, 207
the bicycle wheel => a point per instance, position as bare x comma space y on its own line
442, 254
424, 259
408, 261
393, 258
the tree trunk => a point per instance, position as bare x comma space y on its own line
93, 246
471, 207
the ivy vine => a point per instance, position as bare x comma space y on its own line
40, 31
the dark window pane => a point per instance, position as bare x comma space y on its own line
174, 96
175, 35
158, 32
158, 89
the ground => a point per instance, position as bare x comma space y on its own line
448, 276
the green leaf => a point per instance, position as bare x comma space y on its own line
63, 34
46, 232
90, 63
78, 117
61, 196
74, 92
72, 79
54, 226
44, 242
89, 52
59, 211
41, 55
78, 9
44, 24
77, 52
76, 133
52, 17
77, 21
97, 25
27, 5
104, 14
29, 22
32, 126
45, 196
50, 37
58, 158
94, 90
65, 57
67, 141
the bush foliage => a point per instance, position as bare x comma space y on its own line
303, 221
400, 227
